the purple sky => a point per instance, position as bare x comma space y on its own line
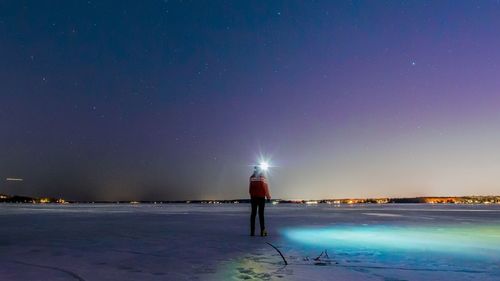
175, 99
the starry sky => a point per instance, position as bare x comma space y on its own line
174, 100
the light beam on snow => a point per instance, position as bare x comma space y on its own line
474, 240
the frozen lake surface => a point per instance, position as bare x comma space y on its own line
211, 242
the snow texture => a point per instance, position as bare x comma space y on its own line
212, 242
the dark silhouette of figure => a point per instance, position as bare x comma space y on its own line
259, 191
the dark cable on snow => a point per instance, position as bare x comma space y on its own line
283, 257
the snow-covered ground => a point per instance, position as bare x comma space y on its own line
211, 242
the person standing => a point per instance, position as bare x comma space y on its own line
259, 191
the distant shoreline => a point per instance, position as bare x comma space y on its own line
345, 201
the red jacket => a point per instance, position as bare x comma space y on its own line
259, 187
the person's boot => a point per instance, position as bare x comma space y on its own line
263, 232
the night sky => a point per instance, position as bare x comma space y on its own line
122, 100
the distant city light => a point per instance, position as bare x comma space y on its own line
312, 202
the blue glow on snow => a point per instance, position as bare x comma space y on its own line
467, 240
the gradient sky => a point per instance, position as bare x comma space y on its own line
119, 100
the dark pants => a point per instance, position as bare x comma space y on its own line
257, 202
